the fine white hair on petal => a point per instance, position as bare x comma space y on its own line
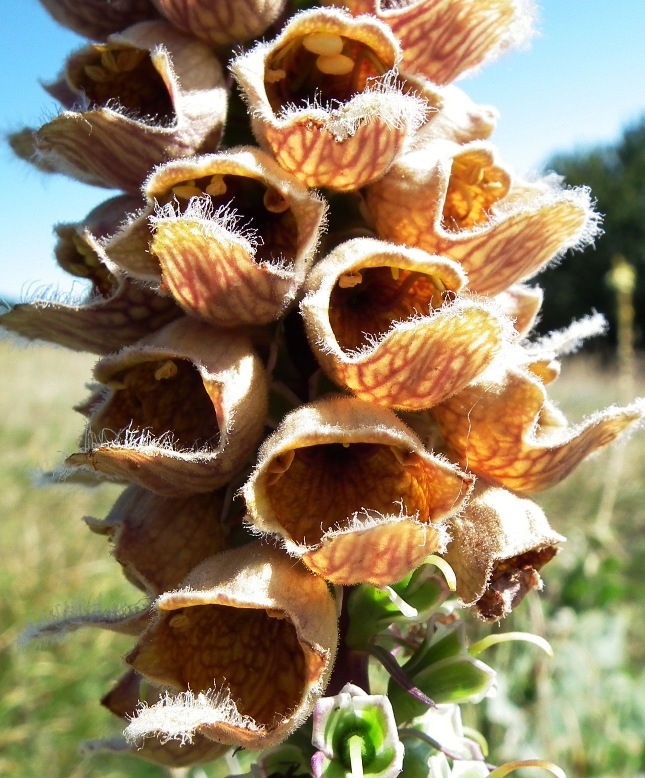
179, 717
570, 339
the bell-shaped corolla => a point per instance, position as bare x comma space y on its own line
447, 39
498, 544
96, 19
147, 95
351, 491
325, 98
458, 201
248, 641
389, 323
159, 540
229, 235
179, 412
222, 24
115, 312
503, 428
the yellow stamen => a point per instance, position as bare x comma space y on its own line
396, 271
325, 43
336, 65
186, 191
216, 187
108, 61
274, 201
167, 369
96, 73
128, 59
179, 621
348, 280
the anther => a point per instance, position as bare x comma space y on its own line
325, 43
274, 201
336, 65
167, 369
396, 272
96, 73
279, 466
273, 76
186, 191
216, 187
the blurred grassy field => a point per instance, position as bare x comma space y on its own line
585, 709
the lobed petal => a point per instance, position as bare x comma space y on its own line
338, 130
97, 19
233, 252
122, 700
499, 542
386, 322
350, 490
152, 94
504, 429
458, 202
222, 24
522, 305
115, 312
182, 411
159, 540
253, 636
447, 39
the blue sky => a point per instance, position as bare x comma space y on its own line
579, 84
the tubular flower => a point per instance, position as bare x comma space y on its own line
387, 323
115, 312
122, 700
249, 641
221, 23
232, 237
149, 94
97, 19
159, 540
498, 544
447, 39
459, 202
324, 98
350, 490
139, 429
504, 429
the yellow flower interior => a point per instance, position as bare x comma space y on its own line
365, 302
162, 396
474, 188
260, 209
323, 486
257, 656
320, 67
125, 77
81, 260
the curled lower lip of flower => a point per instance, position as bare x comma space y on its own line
152, 94
509, 433
459, 202
249, 639
498, 544
232, 238
387, 323
115, 312
97, 19
221, 23
159, 540
122, 700
446, 39
324, 98
183, 410
351, 491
